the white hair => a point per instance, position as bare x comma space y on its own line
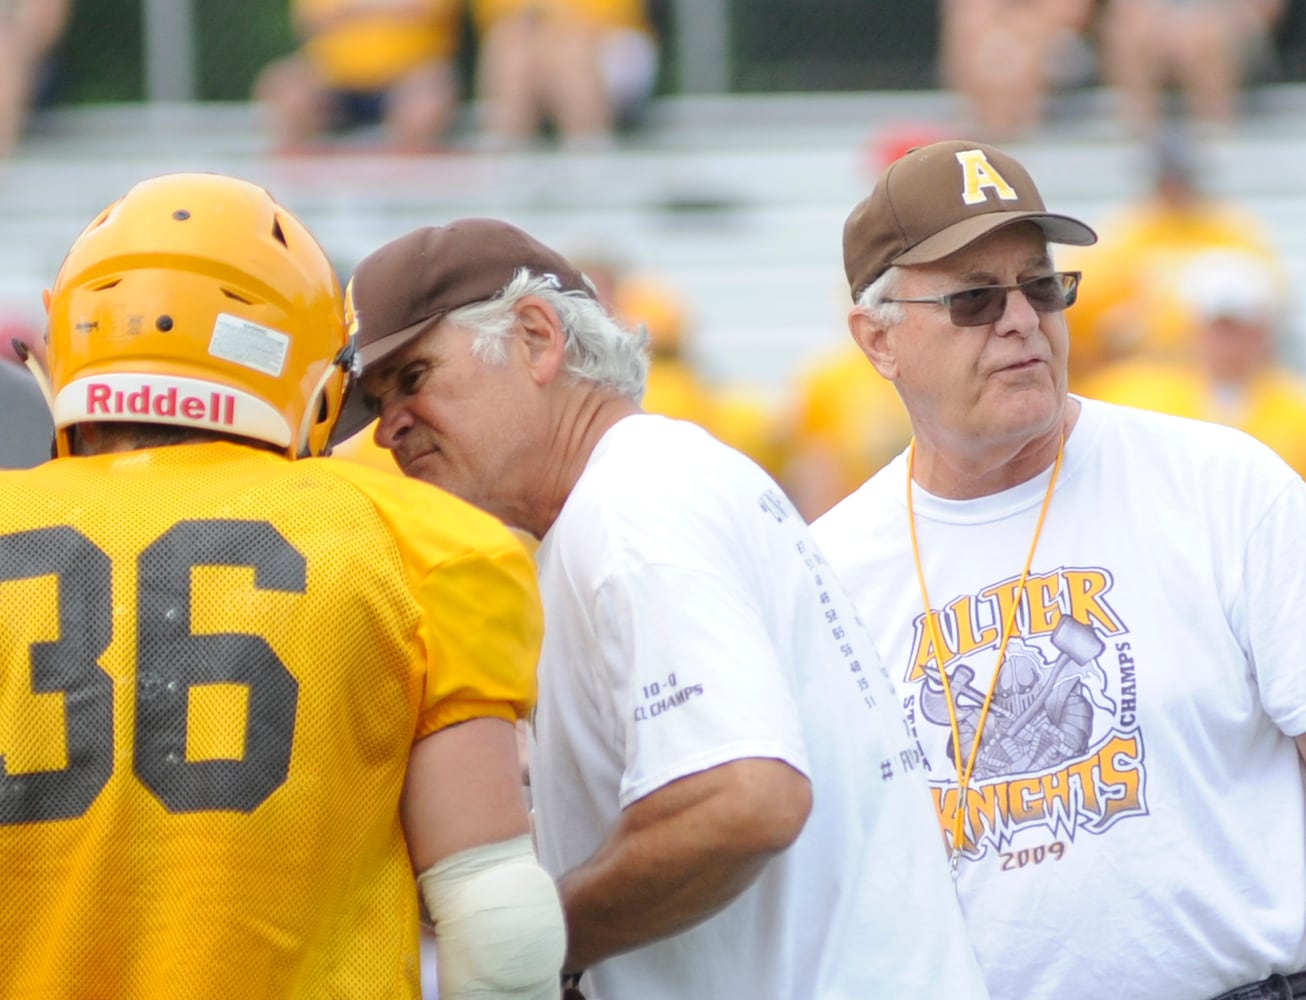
873, 299
598, 348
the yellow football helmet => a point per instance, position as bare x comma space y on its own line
197, 300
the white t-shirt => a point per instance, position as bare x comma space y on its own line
1137, 824
692, 622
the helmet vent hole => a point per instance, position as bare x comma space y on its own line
163, 324
278, 234
181, 215
239, 298
105, 286
99, 219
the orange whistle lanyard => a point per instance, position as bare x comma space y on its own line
966, 769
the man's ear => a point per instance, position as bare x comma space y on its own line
876, 342
543, 336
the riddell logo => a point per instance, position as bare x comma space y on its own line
215, 408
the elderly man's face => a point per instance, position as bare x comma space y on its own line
454, 420
1002, 381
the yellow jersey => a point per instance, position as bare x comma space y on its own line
1131, 301
631, 14
748, 421
1270, 407
674, 389
847, 420
363, 50
213, 664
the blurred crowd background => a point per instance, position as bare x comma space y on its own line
698, 158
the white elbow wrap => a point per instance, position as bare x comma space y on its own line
499, 931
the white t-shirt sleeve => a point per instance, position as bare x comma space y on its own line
1273, 599
693, 676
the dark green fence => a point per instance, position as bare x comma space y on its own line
102, 57
777, 45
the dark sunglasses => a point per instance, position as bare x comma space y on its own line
982, 305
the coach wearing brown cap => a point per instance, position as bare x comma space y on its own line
723, 784
1092, 612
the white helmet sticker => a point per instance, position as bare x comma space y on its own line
244, 343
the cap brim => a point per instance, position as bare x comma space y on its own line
1057, 229
354, 414
378, 350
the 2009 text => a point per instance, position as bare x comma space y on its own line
1011, 860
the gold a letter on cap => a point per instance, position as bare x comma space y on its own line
977, 174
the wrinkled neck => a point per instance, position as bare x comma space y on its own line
973, 469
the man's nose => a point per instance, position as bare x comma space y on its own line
391, 425
1018, 315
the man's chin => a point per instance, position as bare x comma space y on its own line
427, 469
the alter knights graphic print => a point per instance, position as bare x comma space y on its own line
1060, 752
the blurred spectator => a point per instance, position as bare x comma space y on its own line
366, 62
747, 419
845, 422
1004, 57
1207, 48
29, 32
676, 387
738, 415
1130, 302
26, 429
582, 68
1234, 376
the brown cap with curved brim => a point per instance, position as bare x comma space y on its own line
936, 199
401, 290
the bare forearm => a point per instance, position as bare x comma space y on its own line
681, 854
624, 897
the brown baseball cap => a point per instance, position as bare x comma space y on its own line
404, 288
936, 199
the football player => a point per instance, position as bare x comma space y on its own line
250, 700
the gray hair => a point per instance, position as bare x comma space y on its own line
874, 296
599, 349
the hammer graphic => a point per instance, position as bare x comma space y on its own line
1076, 641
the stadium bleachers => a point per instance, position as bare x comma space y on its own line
739, 201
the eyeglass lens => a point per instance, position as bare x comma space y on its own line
983, 305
